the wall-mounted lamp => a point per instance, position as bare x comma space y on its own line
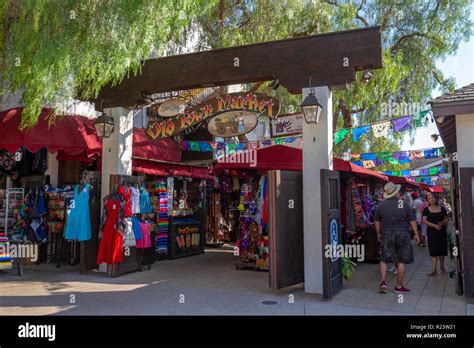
104, 124
311, 106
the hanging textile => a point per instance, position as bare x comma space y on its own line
405, 172
368, 164
368, 157
424, 172
433, 171
396, 173
163, 220
358, 163
126, 193
355, 155
381, 129
145, 204
361, 219
378, 162
358, 132
415, 173
384, 156
78, 224
402, 123
416, 154
340, 135
433, 153
111, 243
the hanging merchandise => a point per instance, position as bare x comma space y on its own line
78, 224
135, 200
361, 219
163, 219
381, 129
340, 135
111, 244
129, 236
126, 194
358, 132
136, 229
145, 204
145, 240
402, 123
433, 171
416, 154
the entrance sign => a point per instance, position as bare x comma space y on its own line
258, 104
172, 108
232, 123
287, 125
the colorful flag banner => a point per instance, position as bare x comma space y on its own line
381, 129
402, 123
358, 132
368, 164
340, 135
368, 156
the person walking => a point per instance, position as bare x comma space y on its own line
393, 218
436, 219
418, 210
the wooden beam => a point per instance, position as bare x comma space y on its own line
331, 59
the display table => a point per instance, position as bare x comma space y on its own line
186, 238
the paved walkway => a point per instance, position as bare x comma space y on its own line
209, 284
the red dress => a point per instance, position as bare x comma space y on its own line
126, 193
111, 245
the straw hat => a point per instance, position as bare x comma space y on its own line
391, 190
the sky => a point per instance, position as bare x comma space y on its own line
461, 67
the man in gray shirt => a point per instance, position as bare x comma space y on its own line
393, 219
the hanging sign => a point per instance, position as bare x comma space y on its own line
248, 103
171, 108
232, 123
287, 125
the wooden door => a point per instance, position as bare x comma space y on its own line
331, 231
285, 214
89, 249
465, 259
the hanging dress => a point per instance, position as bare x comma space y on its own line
111, 244
135, 200
126, 193
78, 225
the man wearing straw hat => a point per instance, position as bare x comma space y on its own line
393, 218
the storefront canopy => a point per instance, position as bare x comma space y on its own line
402, 180
345, 166
277, 157
70, 135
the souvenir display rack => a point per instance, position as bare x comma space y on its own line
186, 229
11, 201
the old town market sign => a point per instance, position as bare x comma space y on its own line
258, 104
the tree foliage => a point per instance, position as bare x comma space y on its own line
54, 49
58, 49
415, 34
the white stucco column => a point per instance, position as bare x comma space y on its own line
53, 169
317, 154
117, 150
465, 140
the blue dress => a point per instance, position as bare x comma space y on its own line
78, 226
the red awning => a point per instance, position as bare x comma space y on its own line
71, 135
167, 169
163, 149
277, 157
345, 166
402, 180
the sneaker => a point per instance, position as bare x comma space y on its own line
396, 271
392, 269
401, 290
383, 287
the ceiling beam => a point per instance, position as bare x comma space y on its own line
331, 59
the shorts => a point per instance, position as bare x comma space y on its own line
396, 246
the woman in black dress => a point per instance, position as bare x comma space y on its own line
435, 218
